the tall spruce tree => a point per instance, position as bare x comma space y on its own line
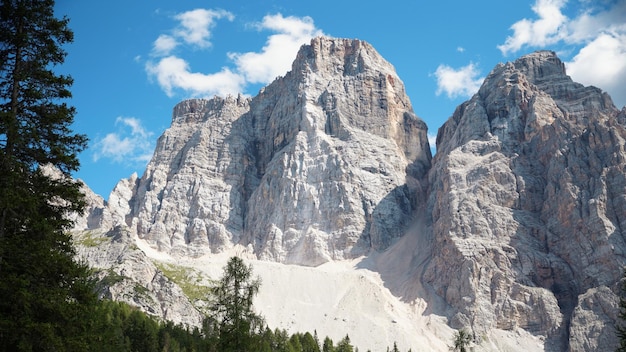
45, 292
233, 320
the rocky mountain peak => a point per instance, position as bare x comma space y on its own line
323, 164
528, 178
348, 57
516, 225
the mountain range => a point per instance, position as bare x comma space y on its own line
515, 229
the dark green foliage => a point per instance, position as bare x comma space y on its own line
344, 345
309, 343
461, 341
47, 299
395, 347
328, 345
123, 328
233, 322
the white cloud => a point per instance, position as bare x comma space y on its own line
132, 143
164, 44
195, 25
463, 82
460, 49
592, 22
432, 142
174, 73
546, 30
280, 49
596, 36
194, 29
602, 63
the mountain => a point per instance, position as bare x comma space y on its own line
514, 230
528, 199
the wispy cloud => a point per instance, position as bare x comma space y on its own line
462, 82
174, 74
596, 36
164, 44
130, 144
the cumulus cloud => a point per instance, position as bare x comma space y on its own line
195, 26
174, 73
602, 63
194, 29
280, 49
547, 29
596, 36
462, 82
131, 143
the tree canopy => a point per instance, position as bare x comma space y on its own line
43, 289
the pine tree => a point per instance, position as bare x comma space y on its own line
461, 342
46, 294
328, 345
344, 345
233, 318
395, 347
309, 343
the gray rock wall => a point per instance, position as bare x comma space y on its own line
528, 202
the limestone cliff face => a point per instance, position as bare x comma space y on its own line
525, 200
322, 164
528, 199
338, 154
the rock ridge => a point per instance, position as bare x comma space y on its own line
270, 171
528, 195
522, 206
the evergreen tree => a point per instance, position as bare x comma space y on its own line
395, 347
233, 319
309, 343
344, 345
328, 345
294, 343
47, 299
461, 341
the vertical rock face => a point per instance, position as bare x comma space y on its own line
323, 164
526, 195
338, 152
189, 199
528, 199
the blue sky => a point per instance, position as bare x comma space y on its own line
132, 61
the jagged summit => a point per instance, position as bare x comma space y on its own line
515, 228
323, 164
528, 191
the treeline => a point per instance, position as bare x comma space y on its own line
122, 328
232, 325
